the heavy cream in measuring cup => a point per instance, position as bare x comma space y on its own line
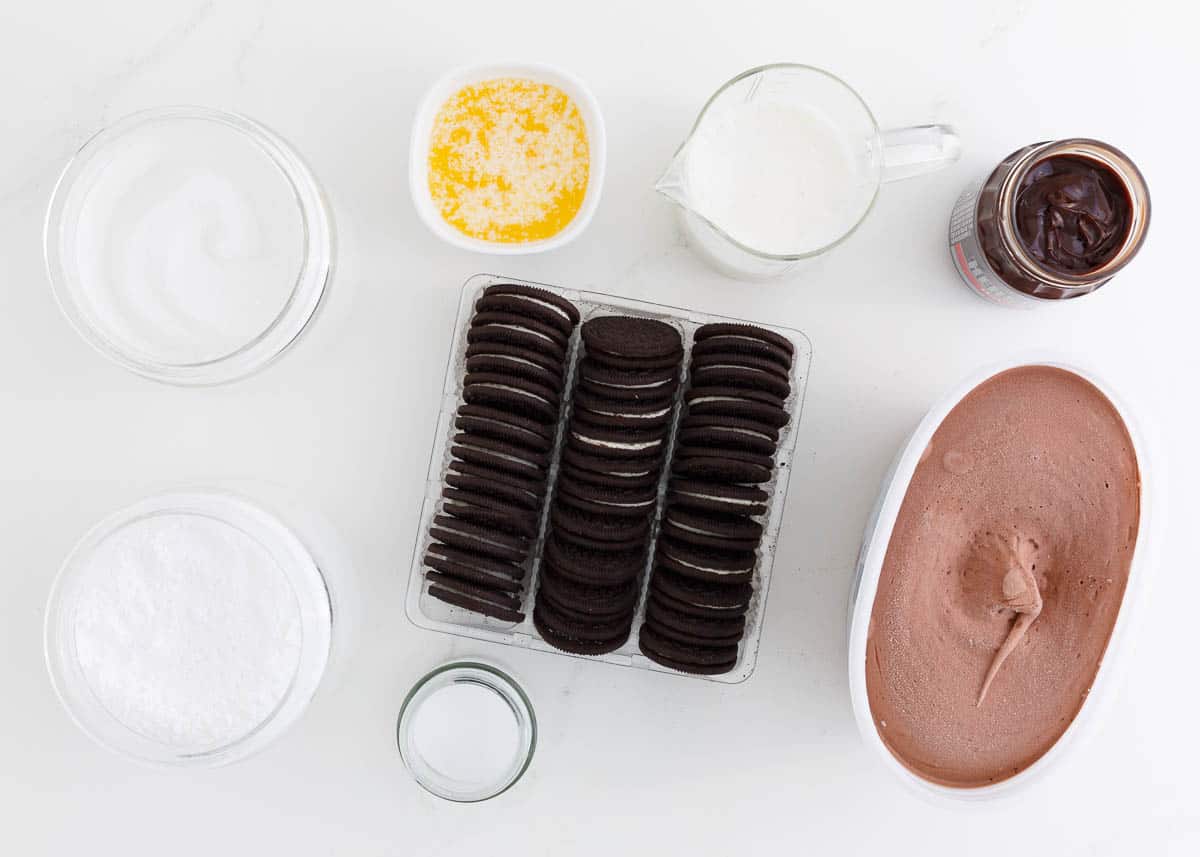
781, 179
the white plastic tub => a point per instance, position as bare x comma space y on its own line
878, 535
418, 160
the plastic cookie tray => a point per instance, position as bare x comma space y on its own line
430, 613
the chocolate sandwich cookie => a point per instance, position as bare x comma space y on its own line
483, 412
621, 531
696, 611
649, 479
508, 367
596, 509
522, 322
598, 548
626, 336
741, 394
717, 525
487, 501
603, 429
724, 375
686, 450
497, 348
618, 618
600, 625
448, 555
603, 378
586, 502
616, 444
728, 629
598, 567
497, 462
653, 396
531, 293
717, 497
586, 600
525, 455
438, 567
653, 420
705, 541
744, 331
509, 396
630, 496
757, 364
478, 600
748, 425
577, 455
592, 629
521, 307
517, 338
725, 469
502, 431
684, 658
738, 407
479, 539
726, 438
705, 564
521, 490
683, 638
602, 405
525, 385
573, 645
700, 598
741, 346
515, 523
635, 364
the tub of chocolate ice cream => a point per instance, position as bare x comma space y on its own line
997, 577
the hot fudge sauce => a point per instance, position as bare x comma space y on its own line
1072, 214
1053, 221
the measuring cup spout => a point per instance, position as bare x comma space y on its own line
670, 183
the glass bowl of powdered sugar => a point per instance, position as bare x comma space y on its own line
191, 628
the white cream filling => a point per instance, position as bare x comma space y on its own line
721, 499
611, 444
695, 530
521, 329
650, 416
501, 455
511, 390
702, 568
629, 386
539, 302
741, 431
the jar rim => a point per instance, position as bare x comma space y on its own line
1112, 159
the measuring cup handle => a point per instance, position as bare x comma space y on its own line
921, 149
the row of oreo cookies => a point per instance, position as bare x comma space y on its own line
701, 584
505, 431
607, 490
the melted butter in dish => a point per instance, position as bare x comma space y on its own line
1004, 576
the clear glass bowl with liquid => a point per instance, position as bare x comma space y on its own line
189, 245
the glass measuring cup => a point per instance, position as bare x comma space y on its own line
840, 150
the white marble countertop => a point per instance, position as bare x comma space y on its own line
628, 761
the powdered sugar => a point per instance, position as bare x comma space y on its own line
186, 630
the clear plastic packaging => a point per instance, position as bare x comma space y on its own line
430, 613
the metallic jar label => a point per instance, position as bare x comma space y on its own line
969, 258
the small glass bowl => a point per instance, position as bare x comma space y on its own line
242, 519
189, 245
446, 784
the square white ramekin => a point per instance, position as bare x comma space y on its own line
437, 95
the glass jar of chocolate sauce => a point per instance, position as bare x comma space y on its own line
1053, 221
